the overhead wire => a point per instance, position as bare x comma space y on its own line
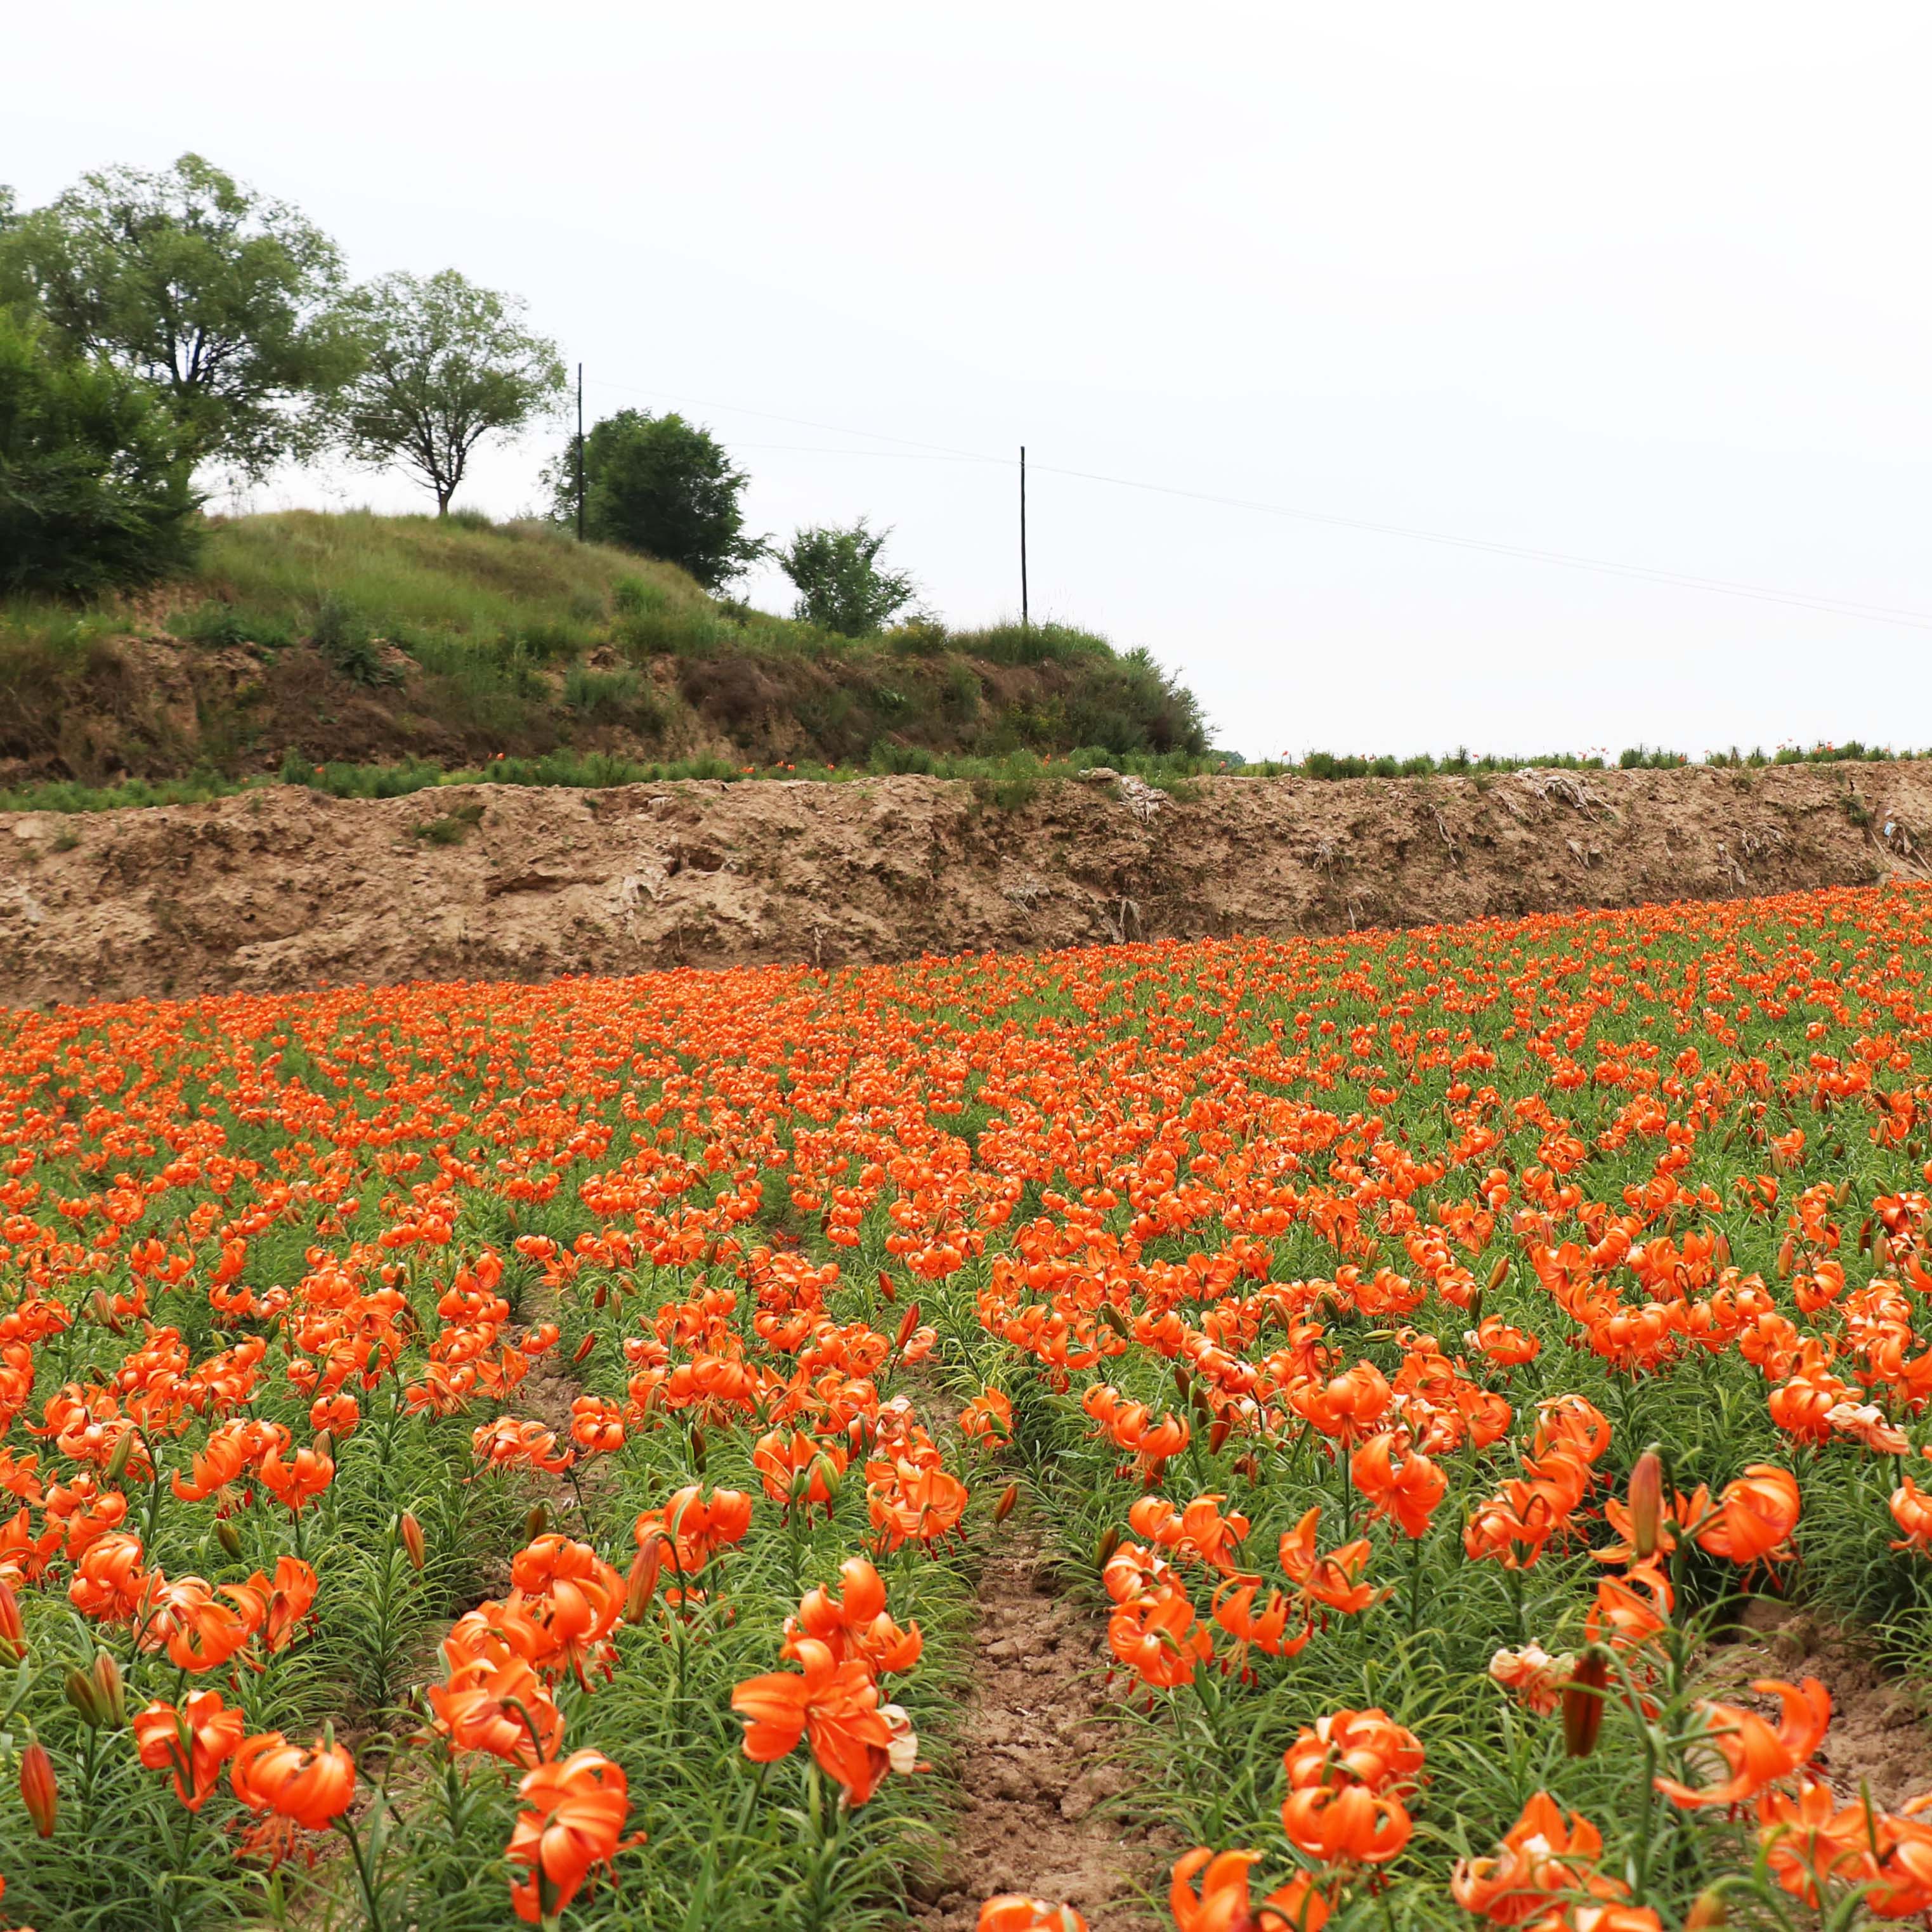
1895, 615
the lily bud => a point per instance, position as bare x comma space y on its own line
1217, 1436
1009, 1497
37, 1791
886, 1287
1708, 1911
1721, 1252
642, 1582
698, 1450
104, 1313
1110, 1541
1583, 1702
1497, 1273
408, 1532
1180, 1379
600, 1294
13, 1630
536, 1522
1646, 1504
1115, 1319
80, 1689
908, 1321
229, 1537
109, 1690
124, 1450
830, 1476
1787, 1258
584, 1347
325, 1445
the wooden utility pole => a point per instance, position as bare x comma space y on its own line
1025, 623
579, 452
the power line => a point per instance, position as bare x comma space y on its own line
1836, 607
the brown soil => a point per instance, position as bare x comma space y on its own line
1035, 1761
1876, 1738
285, 888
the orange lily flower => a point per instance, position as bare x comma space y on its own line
1330, 1579
856, 1625
193, 1742
1408, 1493
1912, 1510
1222, 1903
835, 1705
1367, 1747
1159, 1637
1754, 1518
1540, 1858
296, 1483
1345, 1824
1756, 1754
575, 1821
1012, 1912
308, 1785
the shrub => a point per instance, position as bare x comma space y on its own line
841, 587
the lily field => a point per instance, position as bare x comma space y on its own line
477, 1454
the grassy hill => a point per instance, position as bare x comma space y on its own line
306, 639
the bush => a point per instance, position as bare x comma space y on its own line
840, 587
94, 493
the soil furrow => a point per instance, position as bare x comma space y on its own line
1037, 1764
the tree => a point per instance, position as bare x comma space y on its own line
840, 585
225, 299
661, 485
445, 365
93, 472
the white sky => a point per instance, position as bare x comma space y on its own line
1649, 284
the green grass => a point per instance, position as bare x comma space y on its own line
359, 636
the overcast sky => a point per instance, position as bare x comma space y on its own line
1649, 284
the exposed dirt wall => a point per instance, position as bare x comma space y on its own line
285, 888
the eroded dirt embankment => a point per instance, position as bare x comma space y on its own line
285, 888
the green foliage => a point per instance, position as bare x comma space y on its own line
841, 587
611, 697
219, 622
342, 637
453, 827
225, 299
93, 482
660, 485
445, 365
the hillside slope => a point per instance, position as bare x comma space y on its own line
285, 888
308, 639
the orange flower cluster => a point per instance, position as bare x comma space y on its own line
842, 1646
1298, 1233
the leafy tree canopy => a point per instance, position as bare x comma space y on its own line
94, 471
661, 485
445, 364
840, 586
225, 299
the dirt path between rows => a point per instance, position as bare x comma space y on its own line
1036, 1760
284, 888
